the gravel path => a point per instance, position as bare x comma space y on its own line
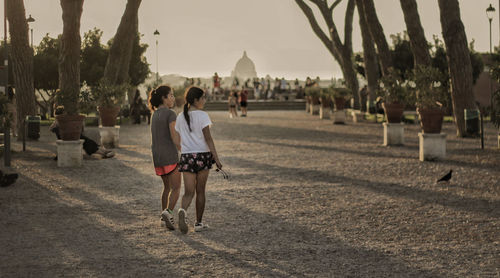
305, 199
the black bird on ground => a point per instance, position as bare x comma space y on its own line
446, 177
7, 179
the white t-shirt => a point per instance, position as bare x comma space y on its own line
193, 141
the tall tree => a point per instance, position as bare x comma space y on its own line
22, 62
342, 52
93, 58
118, 63
369, 54
378, 36
416, 33
459, 63
69, 55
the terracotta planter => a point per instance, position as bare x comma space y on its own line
393, 112
70, 126
431, 119
108, 115
339, 103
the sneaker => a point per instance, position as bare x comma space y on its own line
199, 227
168, 217
183, 221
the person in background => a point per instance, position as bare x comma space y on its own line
231, 102
243, 100
11, 107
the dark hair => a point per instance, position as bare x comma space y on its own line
156, 95
59, 110
192, 93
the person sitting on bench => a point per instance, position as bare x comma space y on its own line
89, 146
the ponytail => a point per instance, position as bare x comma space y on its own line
192, 93
186, 115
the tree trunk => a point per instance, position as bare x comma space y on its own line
369, 54
416, 33
459, 64
377, 33
69, 56
22, 63
342, 52
120, 53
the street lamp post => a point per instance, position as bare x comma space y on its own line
6, 148
489, 13
156, 33
31, 20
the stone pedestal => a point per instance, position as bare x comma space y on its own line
339, 117
394, 134
324, 112
314, 109
110, 136
69, 153
357, 116
432, 146
308, 107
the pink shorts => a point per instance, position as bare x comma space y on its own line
165, 170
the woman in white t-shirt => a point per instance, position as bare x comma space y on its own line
197, 155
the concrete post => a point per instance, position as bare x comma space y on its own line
110, 136
324, 112
394, 134
432, 146
69, 153
339, 117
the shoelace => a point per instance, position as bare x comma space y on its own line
224, 174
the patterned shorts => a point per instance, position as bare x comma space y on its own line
195, 162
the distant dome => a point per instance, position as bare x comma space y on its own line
244, 68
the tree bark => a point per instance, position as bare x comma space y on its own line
342, 52
120, 53
416, 33
369, 54
377, 33
459, 64
22, 63
69, 56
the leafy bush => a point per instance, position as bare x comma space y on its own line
109, 95
393, 89
427, 87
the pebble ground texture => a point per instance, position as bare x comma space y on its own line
305, 198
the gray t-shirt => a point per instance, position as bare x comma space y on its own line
162, 146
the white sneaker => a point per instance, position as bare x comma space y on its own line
183, 221
168, 217
199, 227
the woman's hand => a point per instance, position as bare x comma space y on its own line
219, 165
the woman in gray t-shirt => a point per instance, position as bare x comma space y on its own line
165, 147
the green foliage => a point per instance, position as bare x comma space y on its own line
46, 63
107, 94
338, 92
495, 72
93, 58
139, 67
313, 91
393, 89
402, 56
427, 87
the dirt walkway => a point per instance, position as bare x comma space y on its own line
305, 198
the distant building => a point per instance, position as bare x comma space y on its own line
244, 69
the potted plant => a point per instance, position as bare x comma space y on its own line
392, 90
430, 94
340, 96
70, 121
109, 97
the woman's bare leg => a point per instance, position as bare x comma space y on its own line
174, 180
189, 189
201, 182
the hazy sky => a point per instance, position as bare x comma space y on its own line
200, 37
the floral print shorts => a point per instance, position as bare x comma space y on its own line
195, 162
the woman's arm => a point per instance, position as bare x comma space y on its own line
211, 145
175, 136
